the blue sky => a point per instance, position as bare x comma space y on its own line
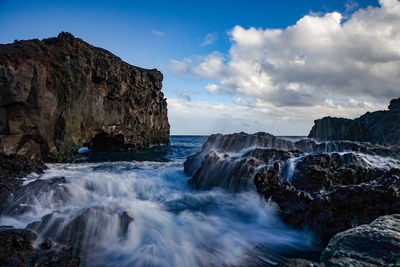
177, 37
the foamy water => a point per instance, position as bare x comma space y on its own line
172, 225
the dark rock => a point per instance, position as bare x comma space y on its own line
12, 168
24, 197
380, 127
321, 171
297, 263
234, 143
82, 231
375, 244
59, 94
16, 250
236, 172
339, 208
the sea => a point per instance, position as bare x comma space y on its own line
169, 223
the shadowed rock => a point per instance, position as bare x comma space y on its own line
16, 250
338, 208
375, 244
12, 168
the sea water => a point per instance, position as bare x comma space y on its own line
172, 224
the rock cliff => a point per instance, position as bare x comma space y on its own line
59, 94
379, 127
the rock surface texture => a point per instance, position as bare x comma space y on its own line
375, 244
12, 168
379, 127
59, 94
16, 249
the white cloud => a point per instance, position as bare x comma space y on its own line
320, 58
212, 88
158, 33
209, 39
201, 117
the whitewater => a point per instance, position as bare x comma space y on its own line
141, 212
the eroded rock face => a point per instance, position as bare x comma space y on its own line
59, 94
375, 244
379, 127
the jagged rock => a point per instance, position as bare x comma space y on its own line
338, 208
16, 250
379, 127
321, 171
12, 168
375, 244
297, 263
61, 93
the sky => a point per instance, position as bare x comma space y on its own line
232, 66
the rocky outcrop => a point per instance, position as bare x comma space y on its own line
59, 94
16, 249
338, 208
12, 168
231, 144
380, 127
375, 244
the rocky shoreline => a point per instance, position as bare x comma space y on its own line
347, 193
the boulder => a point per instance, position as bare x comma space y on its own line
60, 94
375, 244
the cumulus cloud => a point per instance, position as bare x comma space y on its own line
319, 60
209, 39
201, 117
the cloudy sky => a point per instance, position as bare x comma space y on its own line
229, 66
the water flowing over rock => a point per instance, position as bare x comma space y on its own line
61, 93
12, 168
16, 249
379, 127
81, 232
234, 143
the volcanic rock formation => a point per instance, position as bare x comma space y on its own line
59, 94
379, 127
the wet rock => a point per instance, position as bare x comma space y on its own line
234, 143
379, 127
24, 197
321, 171
16, 249
12, 168
236, 172
59, 94
339, 208
82, 232
375, 244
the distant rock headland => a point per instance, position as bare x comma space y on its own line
379, 127
60, 94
